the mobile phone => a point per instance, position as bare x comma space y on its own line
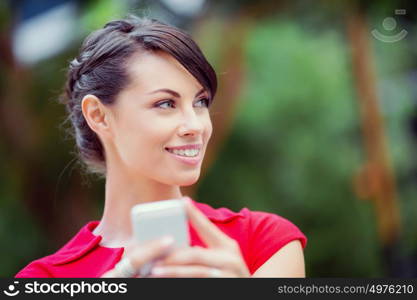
154, 220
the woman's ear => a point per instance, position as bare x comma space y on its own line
95, 114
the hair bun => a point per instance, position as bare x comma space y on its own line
120, 25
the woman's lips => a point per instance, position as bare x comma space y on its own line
187, 160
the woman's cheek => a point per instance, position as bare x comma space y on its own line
209, 130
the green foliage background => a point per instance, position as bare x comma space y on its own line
296, 146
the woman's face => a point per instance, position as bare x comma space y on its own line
160, 122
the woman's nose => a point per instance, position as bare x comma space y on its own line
191, 124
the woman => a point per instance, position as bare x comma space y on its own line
138, 98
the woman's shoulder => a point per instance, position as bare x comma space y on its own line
258, 221
76, 247
275, 225
260, 234
220, 214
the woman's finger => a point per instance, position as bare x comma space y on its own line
150, 251
143, 254
186, 271
209, 233
200, 256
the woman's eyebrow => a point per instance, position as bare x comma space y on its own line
169, 91
174, 93
200, 92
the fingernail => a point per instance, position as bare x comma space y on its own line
188, 202
187, 199
167, 241
157, 271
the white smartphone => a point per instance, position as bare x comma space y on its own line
154, 220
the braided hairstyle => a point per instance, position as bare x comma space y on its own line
100, 70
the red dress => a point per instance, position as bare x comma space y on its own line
259, 235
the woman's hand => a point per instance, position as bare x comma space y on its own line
222, 258
139, 256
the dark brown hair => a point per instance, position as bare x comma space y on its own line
100, 69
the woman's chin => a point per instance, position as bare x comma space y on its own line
187, 180
188, 183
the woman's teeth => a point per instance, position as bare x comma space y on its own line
187, 152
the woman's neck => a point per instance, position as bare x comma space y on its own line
122, 193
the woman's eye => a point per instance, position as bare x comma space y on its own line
166, 104
204, 102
